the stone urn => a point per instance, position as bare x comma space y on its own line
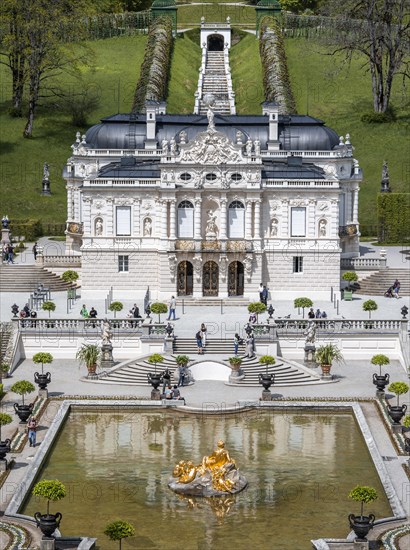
42, 380
381, 381
23, 411
155, 380
48, 523
361, 525
266, 380
4, 448
397, 412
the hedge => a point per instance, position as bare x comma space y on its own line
30, 229
276, 81
153, 81
393, 217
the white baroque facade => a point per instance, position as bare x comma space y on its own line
201, 206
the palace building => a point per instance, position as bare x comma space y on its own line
214, 203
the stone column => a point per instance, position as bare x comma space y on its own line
248, 220
356, 205
164, 219
197, 219
172, 220
222, 232
257, 225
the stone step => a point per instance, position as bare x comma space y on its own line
379, 282
26, 278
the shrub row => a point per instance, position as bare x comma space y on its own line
276, 79
394, 221
153, 81
33, 229
107, 25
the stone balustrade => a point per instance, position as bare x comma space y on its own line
342, 326
364, 264
61, 260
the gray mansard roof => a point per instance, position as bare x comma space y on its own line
296, 132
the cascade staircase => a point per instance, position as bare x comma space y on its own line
215, 83
214, 346
377, 283
26, 278
134, 373
5, 335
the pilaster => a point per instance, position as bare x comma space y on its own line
223, 203
197, 219
248, 220
172, 220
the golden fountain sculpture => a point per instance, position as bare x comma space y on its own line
216, 475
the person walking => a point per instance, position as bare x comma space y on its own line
236, 341
261, 293
32, 431
198, 337
264, 299
203, 334
172, 307
35, 251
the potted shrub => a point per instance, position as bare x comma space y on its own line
118, 530
4, 445
153, 378
350, 277
4, 369
257, 308
70, 276
235, 363
302, 303
89, 355
182, 360
380, 380
52, 490
369, 305
325, 355
48, 306
158, 308
397, 412
22, 388
361, 525
42, 380
115, 306
266, 379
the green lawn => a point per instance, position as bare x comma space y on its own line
246, 73
114, 75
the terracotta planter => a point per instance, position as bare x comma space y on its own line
326, 369
92, 369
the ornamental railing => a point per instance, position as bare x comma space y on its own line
363, 263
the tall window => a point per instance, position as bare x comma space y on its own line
236, 220
123, 220
186, 220
297, 264
123, 263
298, 222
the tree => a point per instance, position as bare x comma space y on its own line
50, 489
48, 306
302, 303
42, 357
158, 308
118, 530
363, 494
380, 360
70, 276
22, 387
267, 360
38, 43
369, 305
258, 308
378, 30
154, 359
350, 277
115, 306
398, 388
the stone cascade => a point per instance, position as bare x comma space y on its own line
215, 79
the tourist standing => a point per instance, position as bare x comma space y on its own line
166, 379
136, 312
35, 251
236, 342
261, 293
172, 307
182, 374
249, 346
264, 296
32, 431
317, 314
311, 313
84, 312
198, 337
203, 334
396, 288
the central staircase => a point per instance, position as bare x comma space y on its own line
26, 278
377, 283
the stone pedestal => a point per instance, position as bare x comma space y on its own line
168, 344
5, 236
266, 395
380, 393
236, 376
47, 544
46, 187
155, 395
359, 545
326, 376
107, 360
43, 394
310, 351
3, 465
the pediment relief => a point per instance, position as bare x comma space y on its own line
211, 147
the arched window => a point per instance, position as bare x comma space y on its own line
185, 220
236, 220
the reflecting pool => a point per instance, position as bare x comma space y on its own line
300, 466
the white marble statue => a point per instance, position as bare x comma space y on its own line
99, 227
322, 228
106, 332
274, 227
147, 227
211, 229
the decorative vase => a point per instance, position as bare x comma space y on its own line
42, 380
396, 413
155, 380
266, 380
23, 411
381, 381
4, 448
326, 369
48, 523
361, 525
